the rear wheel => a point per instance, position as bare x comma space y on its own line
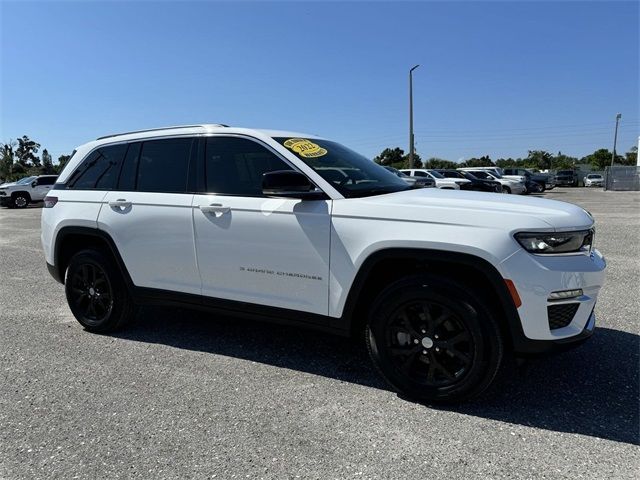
20, 200
96, 292
433, 341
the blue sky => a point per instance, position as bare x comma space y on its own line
496, 78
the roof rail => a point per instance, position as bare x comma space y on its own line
161, 128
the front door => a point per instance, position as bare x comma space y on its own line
265, 251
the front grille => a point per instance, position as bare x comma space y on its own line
561, 315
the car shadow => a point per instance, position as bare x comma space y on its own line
592, 390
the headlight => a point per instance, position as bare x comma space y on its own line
558, 242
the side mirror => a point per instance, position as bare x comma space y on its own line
34, 183
289, 184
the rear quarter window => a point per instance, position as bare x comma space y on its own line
99, 171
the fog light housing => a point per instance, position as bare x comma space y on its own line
565, 294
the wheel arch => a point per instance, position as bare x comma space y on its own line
385, 266
26, 194
72, 239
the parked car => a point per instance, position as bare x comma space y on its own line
26, 190
508, 185
265, 224
441, 182
593, 180
413, 182
567, 178
545, 180
474, 182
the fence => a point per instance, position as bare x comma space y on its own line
622, 178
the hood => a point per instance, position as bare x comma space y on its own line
10, 184
489, 210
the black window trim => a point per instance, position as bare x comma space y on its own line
202, 185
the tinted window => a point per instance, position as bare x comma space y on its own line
234, 166
46, 180
127, 180
99, 171
420, 174
163, 165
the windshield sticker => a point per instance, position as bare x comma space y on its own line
305, 148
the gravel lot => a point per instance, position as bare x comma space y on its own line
182, 395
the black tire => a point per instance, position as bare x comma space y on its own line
96, 292
433, 341
20, 200
506, 189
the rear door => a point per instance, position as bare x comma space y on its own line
254, 249
43, 185
149, 215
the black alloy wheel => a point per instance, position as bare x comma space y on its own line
91, 293
96, 292
429, 343
433, 339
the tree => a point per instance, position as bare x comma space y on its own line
539, 159
6, 160
47, 163
25, 153
631, 157
563, 162
484, 161
62, 161
435, 162
390, 157
601, 158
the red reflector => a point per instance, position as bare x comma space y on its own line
514, 293
49, 202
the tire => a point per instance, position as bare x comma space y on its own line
433, 341
20, 200
506, 189
96, 292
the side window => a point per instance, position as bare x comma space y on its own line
99, 171
163, 165
234, 166
46, 180
127, 182
419, 174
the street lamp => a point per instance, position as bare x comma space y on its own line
411, 144
615, 139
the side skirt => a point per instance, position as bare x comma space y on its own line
251, 311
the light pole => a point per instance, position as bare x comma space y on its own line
411, 144
615, 139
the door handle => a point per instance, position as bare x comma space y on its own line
215, 208
120, 203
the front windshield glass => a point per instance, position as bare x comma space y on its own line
25, 180
483, 175
435, 174
352, 174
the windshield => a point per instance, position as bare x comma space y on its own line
435, 174
25, 180
352, 174
479, 174
594, 176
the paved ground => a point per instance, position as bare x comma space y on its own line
180, 395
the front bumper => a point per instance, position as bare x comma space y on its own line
535, 278
5, 201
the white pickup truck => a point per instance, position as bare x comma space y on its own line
26, 190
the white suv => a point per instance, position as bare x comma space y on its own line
26, 190
295, 228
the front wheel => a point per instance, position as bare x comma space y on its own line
506, 189
20, 200
96, 292
433, 341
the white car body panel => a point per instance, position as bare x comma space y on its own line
155, 238
272, 251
